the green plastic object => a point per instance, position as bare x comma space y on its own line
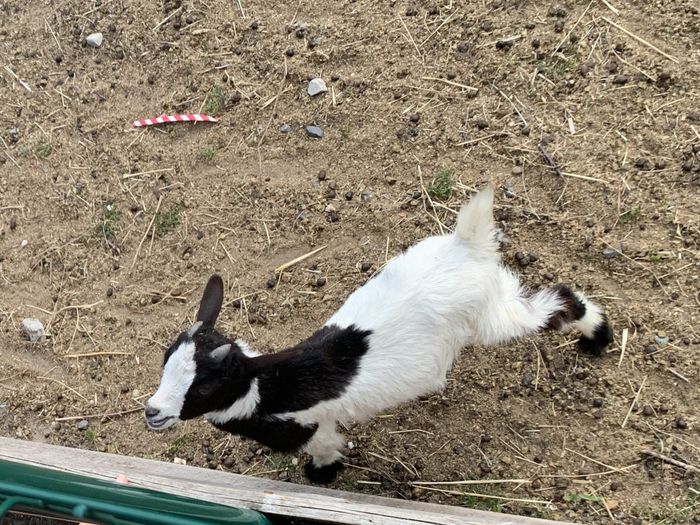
40, 490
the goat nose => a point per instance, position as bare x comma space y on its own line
152, 412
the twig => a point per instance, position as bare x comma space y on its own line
678, 375
411, 38
656, 278
471, 482
64, 386
283, 267
154, 29
449, 82
584, 177
671, 461
640, 39
566, 36
512, 104
130, 175
623, 346
22, 82
611, 7
145, 234
618, 469
550, 160
240, 8
488, 496
634, 402
92, 416
94, 354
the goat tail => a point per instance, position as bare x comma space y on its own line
475, 220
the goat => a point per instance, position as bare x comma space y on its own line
393, 340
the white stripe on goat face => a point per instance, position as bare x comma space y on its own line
178, 374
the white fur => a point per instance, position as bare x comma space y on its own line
242, 408
178, 374
441, 295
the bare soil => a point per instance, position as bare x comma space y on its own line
107, 234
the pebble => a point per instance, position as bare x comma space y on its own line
527, 379
610, 253
125, 389
322, 175
13, 133
681, 423
23, 243
620, 79
316, 87
314, 132
285, 128
598, 402
415, 117
647, 411
661, 339
349, 195
548, 276
94, 39
83, 424
517, 170
289, 52
110, 291
365, 266
33, 329
481, 123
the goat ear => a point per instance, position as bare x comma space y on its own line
218, 354
212, 299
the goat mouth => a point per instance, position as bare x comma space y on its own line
159, 423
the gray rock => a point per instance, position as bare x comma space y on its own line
94, 39
316, 87
83, 424
285, 128
33, 329
661, 340
13, 134
610, 253
314, 131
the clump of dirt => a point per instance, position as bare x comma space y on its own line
590, 134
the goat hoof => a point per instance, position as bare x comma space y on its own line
322, 475
602, 337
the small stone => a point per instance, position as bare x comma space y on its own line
411, 11
391, 181
13, 134
487, 26
664, 76
527, 379
533, 257
647, 411
314, 132
321, 281
365, 266
349, 195
610, 253
485, 467
517, 170
548, 276
13, 223
481, 123
535, 43
559, 26
681, 423
559, 11
285, 128
620, 79
322, 175
110, 292
33, 329
504, 44
316, 87
83, 424
598, 402
94, 39
649, 349
289, 52
661, 339
271, 282
23, 243
415, 117
694, 116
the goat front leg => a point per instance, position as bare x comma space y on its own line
517, 313
325, 448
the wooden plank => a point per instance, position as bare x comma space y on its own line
267, 496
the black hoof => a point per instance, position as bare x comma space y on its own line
322, 475
602, 337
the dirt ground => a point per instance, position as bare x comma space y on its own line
108, 234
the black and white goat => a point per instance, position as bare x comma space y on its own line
393, 340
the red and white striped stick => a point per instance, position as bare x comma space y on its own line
190, 117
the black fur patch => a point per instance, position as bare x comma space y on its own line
573, 309
602, 337
322, 475
280, 435
317, 369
